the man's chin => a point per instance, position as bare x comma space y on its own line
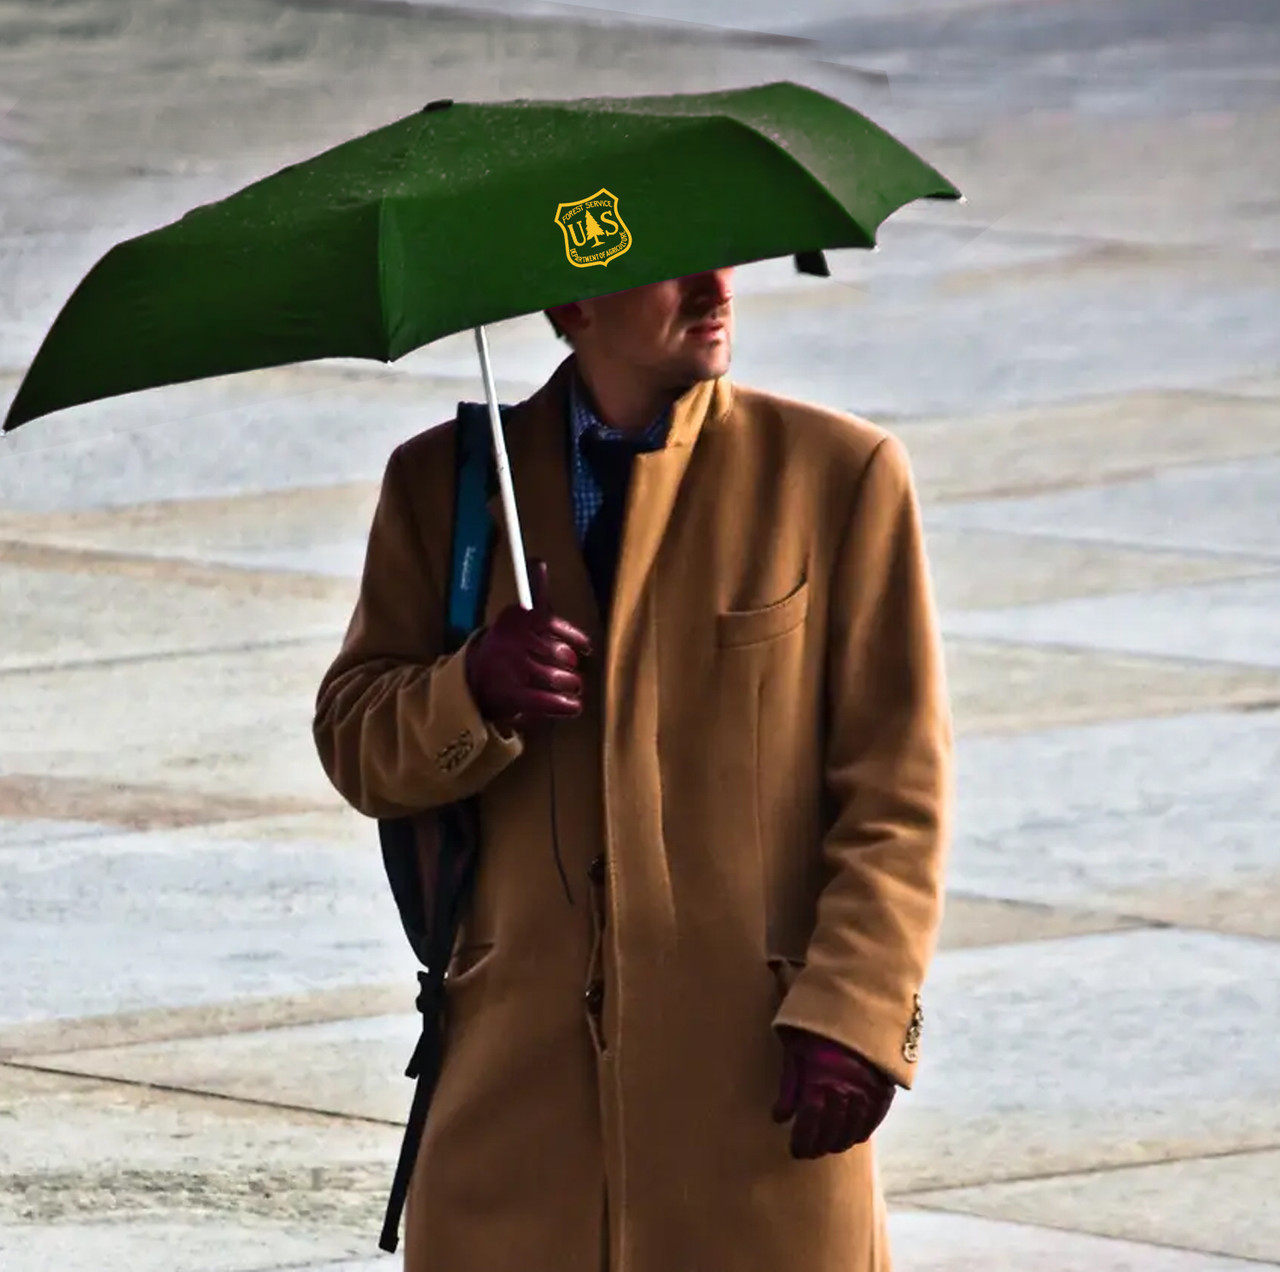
680, 374
708, 364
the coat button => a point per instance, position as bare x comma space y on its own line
598, 871
595, 997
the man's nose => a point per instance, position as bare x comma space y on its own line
714, 286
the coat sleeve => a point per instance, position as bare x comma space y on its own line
888, 776
395, 725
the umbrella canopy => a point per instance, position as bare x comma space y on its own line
466, 214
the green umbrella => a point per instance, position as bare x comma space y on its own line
465, 214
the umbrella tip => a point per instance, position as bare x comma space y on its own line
812, 263
442, 103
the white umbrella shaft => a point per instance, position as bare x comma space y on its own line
514, 537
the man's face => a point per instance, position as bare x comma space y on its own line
677, 332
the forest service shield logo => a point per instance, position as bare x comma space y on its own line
593, 228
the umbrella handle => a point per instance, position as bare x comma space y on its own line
503, 466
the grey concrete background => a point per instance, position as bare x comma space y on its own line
205, 1002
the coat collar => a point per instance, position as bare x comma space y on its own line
537, 446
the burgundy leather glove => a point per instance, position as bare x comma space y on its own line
523, 667
836, 1097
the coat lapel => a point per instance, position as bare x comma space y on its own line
536, 446
655, 482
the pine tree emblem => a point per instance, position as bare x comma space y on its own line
593, 228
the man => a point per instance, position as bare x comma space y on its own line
713, 775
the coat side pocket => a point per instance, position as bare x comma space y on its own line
467, 959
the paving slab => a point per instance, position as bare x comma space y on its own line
1125, 1029
16, 831
930, 1241
306, 542
201, 529
378, 1264
986, 569
212, 1020
1248, 908
1146, 58
886, 357
340, 558
976, 921
308, 545
256, 431
919, 245
750, 15
235, 576
235, 724
150, 1245
58, 617
1229, 508
1114, 171
1089, 1052
168, 919
1221, 1204
338, 826
934, 352
303, 75
1170, 818
84, 1148
353, 1068
240, 744
1254, 386
36, 808
1069, 444
1124, 58
1115, 258
1010, 688
1232, 621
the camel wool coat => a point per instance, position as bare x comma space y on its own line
751, 813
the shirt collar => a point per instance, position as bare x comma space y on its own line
583, 419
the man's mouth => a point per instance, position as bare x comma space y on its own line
706, 326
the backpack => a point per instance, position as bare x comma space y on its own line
430, 858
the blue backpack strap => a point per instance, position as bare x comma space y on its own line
472, 523
432, 933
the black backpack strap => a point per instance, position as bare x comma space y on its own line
432, 935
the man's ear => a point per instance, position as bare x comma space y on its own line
566, 320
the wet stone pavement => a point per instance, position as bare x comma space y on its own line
206, 1001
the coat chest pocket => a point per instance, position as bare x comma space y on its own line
738, 628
